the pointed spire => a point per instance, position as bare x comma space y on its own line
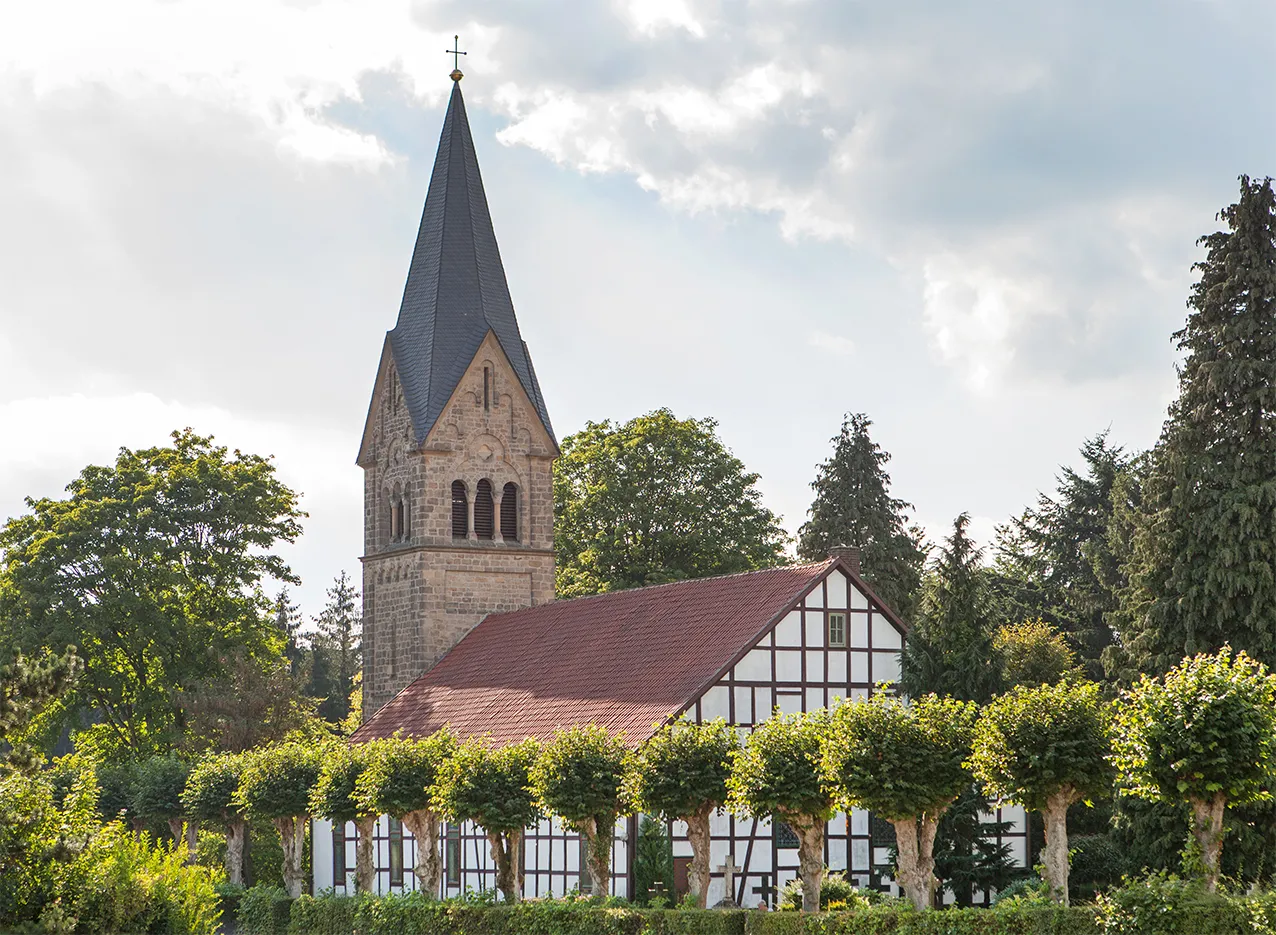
456, 290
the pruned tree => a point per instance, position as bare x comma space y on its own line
905, 763
680, 773
157, 796
275, 784
777, 776
853, 506
492, 787
400, 780
333, 797
209, 796
27, 684
1046, 747
580, 777
1205, 732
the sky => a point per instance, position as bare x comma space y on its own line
974, 221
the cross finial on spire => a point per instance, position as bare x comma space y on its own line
456, 54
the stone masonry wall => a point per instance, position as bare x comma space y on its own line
423, 591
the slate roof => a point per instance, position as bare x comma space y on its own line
625, 660
456, 290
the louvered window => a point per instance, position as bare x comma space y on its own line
460, 511
396, 852
484, 511
509, 513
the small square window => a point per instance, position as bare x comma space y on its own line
837, 630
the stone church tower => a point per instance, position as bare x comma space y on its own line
457, 448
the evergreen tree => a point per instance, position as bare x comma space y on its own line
1202, 561
949, 651
1053, 561
288, 620
27, 684
853, 506
337, 648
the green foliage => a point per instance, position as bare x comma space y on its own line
653, 500
1097, 862
683, 768
1033, 743
969, 854
338, 650
949, 650
27, 685
1033, 653
853, 506
210, 791
1201, 557
777, 772
1208, 727
899, 761
248, 702
1164, 904
264, 910
491, 787
580, 775
276, 781
333, 796
125, 883
1055, 561
153, 567
117, 791
836, 893
653, 859
158, 787
401, 773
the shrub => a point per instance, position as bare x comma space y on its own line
263, 910
836, 893
1163, 904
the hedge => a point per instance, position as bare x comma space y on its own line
1135, 909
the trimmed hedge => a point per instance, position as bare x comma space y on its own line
264, 910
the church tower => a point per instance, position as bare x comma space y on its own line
457, 449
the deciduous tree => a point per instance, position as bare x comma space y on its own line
276, 784
154, 567
777, 776
1033, 653
653, 500
907, 764
493, 789
580, 777
209, 796
1046, 747
680, 773
333, 797
853, 506
401, 780
1202, 560
1205, 732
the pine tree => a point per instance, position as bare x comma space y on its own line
26, 685
1054, 561
288, 620
1202, 560
853, 506
338, 638
949, 651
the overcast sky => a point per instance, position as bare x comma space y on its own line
974, 221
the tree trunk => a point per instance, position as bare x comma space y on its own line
698, 872
292, 834
917, 881
235, 832
424, 826
810, 835
175, 829
1055, 856
509, 870
364, 867
598, 853
1207, 828
192, 839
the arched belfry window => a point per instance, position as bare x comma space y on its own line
509, 513
484, 511
460, 511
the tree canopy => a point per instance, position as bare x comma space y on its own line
1033, 653
652, 500
1201, 563
853, 506
154, 566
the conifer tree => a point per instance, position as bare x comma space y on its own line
337, 647
27, 684
1054, 561
949, 651
1202, 551
853, 506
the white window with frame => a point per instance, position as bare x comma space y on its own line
837, 630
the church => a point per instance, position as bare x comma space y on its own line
460, 622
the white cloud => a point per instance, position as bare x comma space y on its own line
650, 17
834, 344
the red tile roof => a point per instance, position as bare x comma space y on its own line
625, 660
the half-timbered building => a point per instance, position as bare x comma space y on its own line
460, 624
